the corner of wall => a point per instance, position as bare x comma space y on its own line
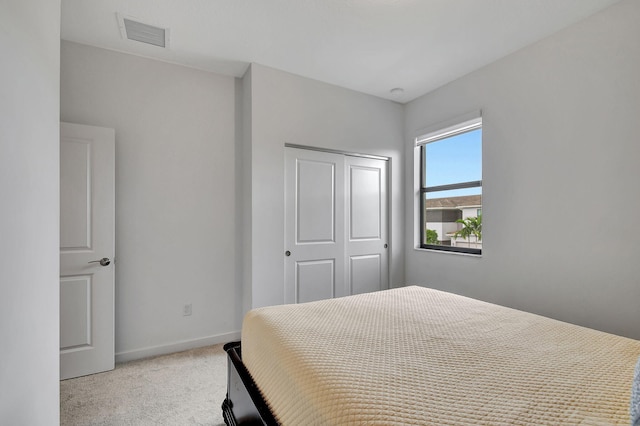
243, 159
30, 185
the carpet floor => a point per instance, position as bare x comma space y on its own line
185, 388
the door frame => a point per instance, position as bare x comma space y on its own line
337, 151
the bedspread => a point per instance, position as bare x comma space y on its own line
420, 356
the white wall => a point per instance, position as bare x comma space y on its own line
29, 212
560, 140
290, 109
175, 194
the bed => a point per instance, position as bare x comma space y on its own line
416, 356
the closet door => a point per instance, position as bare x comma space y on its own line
367, 264
314, 225
335, 225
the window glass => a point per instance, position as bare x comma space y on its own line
451, 193
454, 160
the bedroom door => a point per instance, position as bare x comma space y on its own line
87, 246
335, 225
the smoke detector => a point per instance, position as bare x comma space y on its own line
132, 29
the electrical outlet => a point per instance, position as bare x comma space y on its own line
186, 310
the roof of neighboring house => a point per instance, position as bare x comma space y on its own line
454, 202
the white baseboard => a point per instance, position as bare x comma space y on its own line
182, 345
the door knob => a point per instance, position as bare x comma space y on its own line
103, 262
287, 253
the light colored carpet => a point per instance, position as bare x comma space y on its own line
185, 388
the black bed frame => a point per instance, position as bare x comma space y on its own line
244, 404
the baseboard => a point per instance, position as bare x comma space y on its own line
182, 345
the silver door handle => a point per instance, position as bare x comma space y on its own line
103, 262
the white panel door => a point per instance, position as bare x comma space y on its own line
335, 225
367, 267
314, 225
87, 246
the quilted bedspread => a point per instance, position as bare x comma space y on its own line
419, 356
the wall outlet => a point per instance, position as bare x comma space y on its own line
186, 310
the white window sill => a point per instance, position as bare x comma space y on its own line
457, 253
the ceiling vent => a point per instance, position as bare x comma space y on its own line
144, 33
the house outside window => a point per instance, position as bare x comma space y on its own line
451, 188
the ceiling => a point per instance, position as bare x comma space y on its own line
371, 46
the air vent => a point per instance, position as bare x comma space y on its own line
144, 33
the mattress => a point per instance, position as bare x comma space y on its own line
417, 356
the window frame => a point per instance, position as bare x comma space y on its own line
421, 143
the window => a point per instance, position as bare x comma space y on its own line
451, 188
